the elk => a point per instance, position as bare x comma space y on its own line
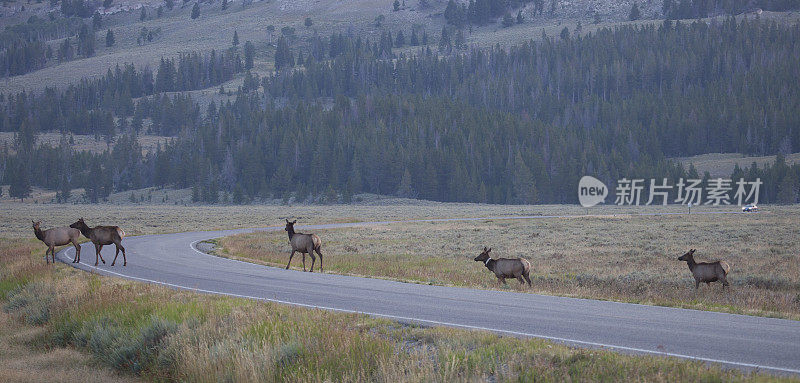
706, 271
304, 243
58, 236
100, 236
506, 267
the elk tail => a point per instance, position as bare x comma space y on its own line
120, 232
725, 267
526, 265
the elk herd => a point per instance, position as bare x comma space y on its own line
518, 268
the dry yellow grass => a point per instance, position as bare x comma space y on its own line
625, 258
167, 335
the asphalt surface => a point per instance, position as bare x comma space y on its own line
738, 341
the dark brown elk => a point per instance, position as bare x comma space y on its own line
100, 236
304, 243
506, 267
706, 272
58, 236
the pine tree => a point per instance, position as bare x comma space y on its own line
396, 5
249, 54
195, 11
635, 14
235, 38
97, 21
110, 38
507, 20
143, 15
400, 40
224, 4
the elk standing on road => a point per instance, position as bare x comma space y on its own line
706, 271
103, 235
506, 267
304, 243
58, 236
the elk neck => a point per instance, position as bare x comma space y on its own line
489, 263
39, 234
85, 230
291, 233
691, 263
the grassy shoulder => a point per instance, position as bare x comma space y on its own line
625, 258
162, 334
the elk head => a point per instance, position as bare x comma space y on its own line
689, 255
484, 255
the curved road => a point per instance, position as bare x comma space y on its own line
739, 341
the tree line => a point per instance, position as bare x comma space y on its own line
517, 125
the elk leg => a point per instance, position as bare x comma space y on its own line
46, 256
77, 251
116, 255
527, 278
320, 259
313, 259
501, 280
290, 260
119, 247
304, 261
97, 255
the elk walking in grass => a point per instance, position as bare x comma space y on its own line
706, 271
58, 236
304, 243
100, 236
506, 267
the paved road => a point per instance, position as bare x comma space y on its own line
739, 341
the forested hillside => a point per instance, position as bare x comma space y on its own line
517, 125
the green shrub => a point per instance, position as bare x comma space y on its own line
32, 301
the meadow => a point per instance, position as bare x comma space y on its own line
621, 257
54, 317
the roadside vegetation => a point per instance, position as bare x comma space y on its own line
629, 258
162, 334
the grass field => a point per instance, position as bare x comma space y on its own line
628, 258
54, 314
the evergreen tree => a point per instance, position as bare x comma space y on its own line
170, 4
224, 4
97, 21
634, 14
109, 38
400, 40
143, 15
235, 38
396, 5
507, 20
195, 11
414, 38
249, 54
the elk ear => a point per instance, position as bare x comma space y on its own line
490, 249
484, 248
287, 221
294, 222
